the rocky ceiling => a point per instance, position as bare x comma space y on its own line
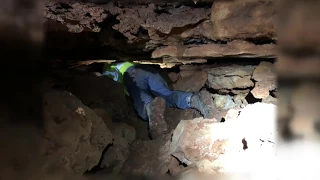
181, 31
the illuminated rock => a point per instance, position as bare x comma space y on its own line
239, 145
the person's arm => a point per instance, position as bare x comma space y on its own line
110, 71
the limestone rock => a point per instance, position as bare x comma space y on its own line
232, 114
236, 48
270, 100
230, 77
175, 168
68, 12
265, 77
240, 100
243, 19
105, 116
244, 144
75, 135
173, 76
173, 116
133, 19
191, 83
149, 158
118, 153
223, 102
207, 98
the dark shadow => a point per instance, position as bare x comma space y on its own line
251, 99
21, 108
98, 166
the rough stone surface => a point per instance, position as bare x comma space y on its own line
74, 16
207, 98
173, 116
243, 144
265, 77
175, 168
223, 102
174, 77
75, 135
117, 154
240, 100
270, 100
230, 77
236, 48
149, 157
192, 83
243, 19
133, 19
105, 116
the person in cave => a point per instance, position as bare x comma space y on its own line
150, 94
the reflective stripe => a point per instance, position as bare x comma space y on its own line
114, 75
123, 67
116, 72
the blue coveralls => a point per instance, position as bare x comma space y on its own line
143, 83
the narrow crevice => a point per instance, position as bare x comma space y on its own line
251, 99
97, 167
201, 41
261, 40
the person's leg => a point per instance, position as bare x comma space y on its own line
147, 107
179, 99
158, 87
137, 86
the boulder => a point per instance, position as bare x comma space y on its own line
75, 135
173, 116
191, 83
149, 158
105, 116
243, 19
117, 154
265, 77
244, 144
230, 77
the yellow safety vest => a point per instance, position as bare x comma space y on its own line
116, 72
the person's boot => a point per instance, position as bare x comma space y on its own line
155, 111
198, 104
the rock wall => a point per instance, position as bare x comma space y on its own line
171, 32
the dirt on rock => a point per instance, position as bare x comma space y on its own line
75, 135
